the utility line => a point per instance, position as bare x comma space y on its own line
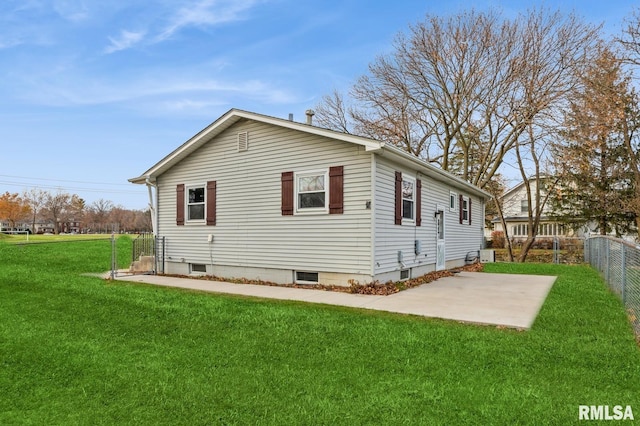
63, 180
68, 188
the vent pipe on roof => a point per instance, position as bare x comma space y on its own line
310, 115
290, 117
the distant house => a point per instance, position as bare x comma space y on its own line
266, 198
515, 205
20, 227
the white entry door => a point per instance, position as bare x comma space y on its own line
440, 259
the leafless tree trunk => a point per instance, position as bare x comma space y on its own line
505, 230
538, 184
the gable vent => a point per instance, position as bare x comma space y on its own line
243, 141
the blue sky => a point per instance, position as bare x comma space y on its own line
94, 92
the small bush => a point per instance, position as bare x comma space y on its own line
543, 243
497, 239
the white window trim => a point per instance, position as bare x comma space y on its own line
411, 220
311, 210
465, 198
186, 204
454, 196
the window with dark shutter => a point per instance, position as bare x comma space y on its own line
460, 201
469, 210
418, 202
398, 204
180, 204
211, 203
287, 193
336, 190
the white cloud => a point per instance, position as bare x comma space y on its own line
71, 10
158, 95
203, 13
124, 41
190, 106
7, 42
192, 13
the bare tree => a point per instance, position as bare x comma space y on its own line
461, 91
121, 219
332, 113
142, 221
537, 180
630, 135
630, 39
548, 70
97, 215
630, 101
55, 208
36, 199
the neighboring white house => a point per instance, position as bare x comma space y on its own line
266, 198
515, 207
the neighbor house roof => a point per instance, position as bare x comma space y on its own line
234, 115
520, 184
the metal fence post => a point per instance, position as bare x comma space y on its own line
585, 251
623, 274
114, 256
163, 244
607, 257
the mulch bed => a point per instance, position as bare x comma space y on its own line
374, 288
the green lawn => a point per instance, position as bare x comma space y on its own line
79, 350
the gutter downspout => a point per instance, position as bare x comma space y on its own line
153, 205
372, 215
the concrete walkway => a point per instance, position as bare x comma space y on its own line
476, 297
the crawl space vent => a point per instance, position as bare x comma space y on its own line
243, 141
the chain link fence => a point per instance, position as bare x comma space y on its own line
566, 250
619, 263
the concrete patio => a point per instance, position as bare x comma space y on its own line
476, 297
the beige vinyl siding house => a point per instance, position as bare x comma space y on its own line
265, 198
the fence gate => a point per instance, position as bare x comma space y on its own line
148, 254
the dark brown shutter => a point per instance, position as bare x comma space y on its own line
336, 190
211, 202
418, 202
287, 193
469, 205
398, 219
180, 204
460, 208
